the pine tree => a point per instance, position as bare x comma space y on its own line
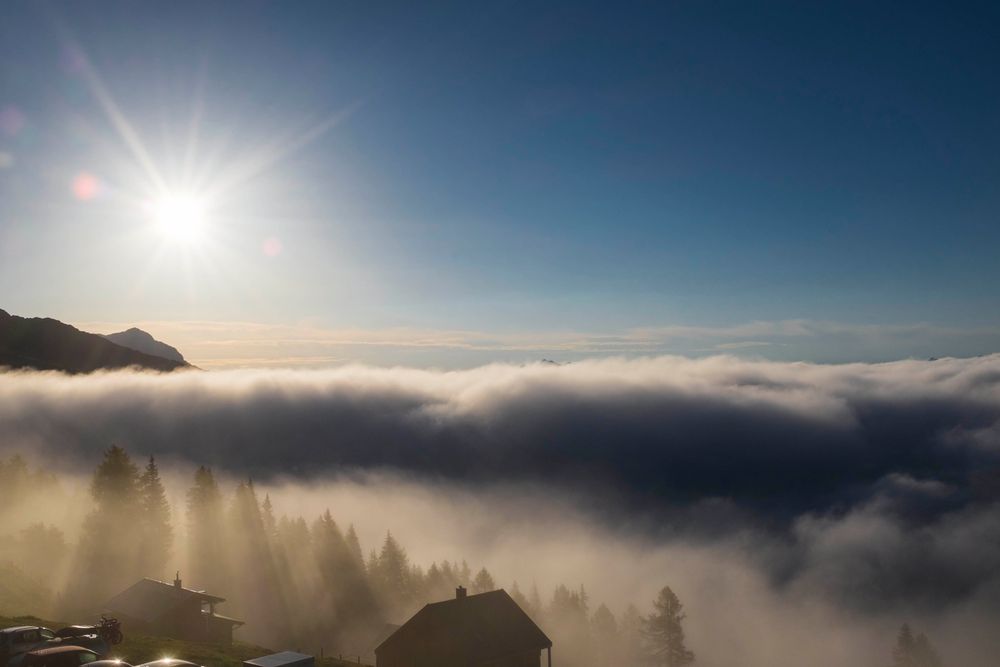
354, 546
664, 632
207, 556
155, 533
629, 632
107, 564
604, 630
267, 515
256, 592
483, 583
392, 574
902, 654
914, 650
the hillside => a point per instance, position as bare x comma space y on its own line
137, 649
140, 341
47, 344
19, 592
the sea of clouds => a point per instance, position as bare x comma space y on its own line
820, 503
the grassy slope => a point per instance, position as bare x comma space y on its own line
139, 648
19, 592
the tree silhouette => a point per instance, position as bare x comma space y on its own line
155, 534
914, 650
630, 635
206, 537
604, 629
390, 575
107, 565
663, 632
483, 583
354, 546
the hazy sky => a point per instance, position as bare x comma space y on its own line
777, 179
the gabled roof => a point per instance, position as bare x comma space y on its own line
467, 630
280, 659
149, 599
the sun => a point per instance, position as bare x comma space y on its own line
179, 217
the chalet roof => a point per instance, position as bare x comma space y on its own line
149, 599
467, 630
280, 659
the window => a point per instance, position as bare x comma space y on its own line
47, 634
87, 656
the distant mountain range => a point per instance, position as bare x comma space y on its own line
47, 344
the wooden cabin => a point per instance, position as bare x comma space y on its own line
170, 610
488, 629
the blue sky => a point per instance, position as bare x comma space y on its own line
518, 170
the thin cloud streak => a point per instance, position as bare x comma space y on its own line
211, 344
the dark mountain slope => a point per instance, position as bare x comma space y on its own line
47, 344
140, 341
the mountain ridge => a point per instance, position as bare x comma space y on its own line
136, 339
43, 343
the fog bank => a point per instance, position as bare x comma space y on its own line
801, 512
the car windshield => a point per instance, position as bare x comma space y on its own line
47, 634
87, 656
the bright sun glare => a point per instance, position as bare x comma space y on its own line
179, 218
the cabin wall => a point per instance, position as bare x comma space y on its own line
404, 657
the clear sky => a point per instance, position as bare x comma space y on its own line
463, 182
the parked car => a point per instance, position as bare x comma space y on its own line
59, 656
16, 641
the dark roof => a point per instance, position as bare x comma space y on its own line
467, 631
149, 599
281, 659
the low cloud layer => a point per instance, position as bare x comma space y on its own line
849, 495
782, 438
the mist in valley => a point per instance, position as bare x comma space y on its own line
801, 513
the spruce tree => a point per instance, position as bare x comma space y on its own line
604, 631
902, 654
392, 575
354, 546
914, 650
108, 563
207, 555
267, 515
664, 632
155, 533
483, 583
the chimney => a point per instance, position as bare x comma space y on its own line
460, 593
177, 579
